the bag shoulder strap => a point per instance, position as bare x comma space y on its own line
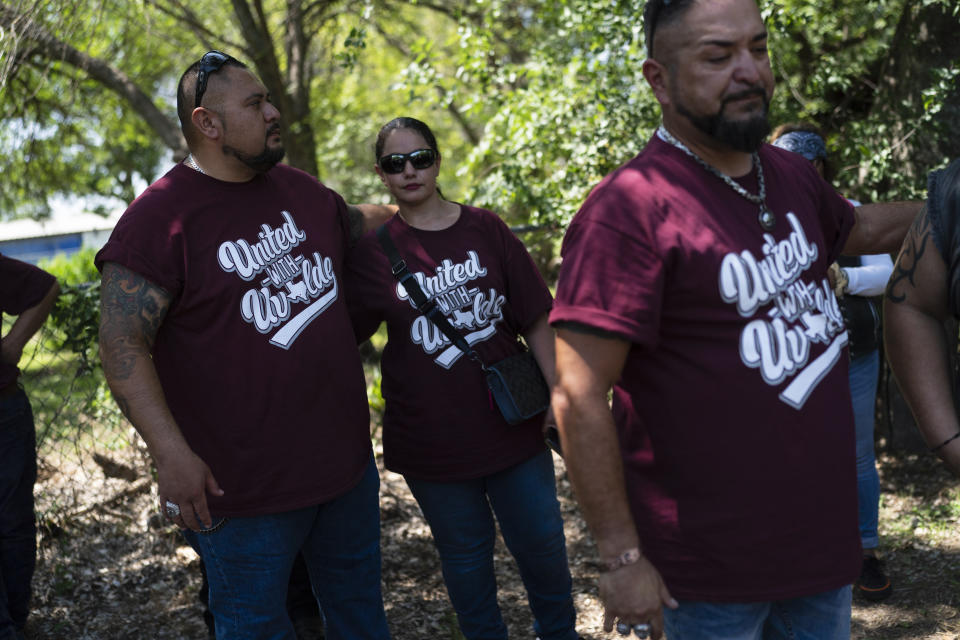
425, 306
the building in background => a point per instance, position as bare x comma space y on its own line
32, 241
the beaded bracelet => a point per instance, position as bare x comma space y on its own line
628, 557
945, 442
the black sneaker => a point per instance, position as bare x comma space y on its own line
874, 585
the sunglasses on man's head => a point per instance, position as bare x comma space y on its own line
397, 162
211, 62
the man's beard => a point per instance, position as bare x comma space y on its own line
742, 135
263, 161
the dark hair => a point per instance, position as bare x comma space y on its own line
943, 205
404, 123
829, 172
186, 89
661, 13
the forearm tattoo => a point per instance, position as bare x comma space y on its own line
131, 310
912, 252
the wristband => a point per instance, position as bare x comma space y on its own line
844, 281
945, 442
841, 280
628, 557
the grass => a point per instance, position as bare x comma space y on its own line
921, 501
71, 404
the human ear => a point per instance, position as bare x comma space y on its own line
206, 122
383, 179
657, 77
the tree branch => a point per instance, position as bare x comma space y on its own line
295, 124
261, 50
183, 14
112, 78
450, 105
297, 46
318, 7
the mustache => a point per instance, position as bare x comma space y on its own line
746, 93
273, 129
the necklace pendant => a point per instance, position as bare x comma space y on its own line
767, 219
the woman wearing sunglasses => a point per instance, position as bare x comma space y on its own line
464, 464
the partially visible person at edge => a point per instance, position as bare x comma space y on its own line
721, 489
225, 339
856, 280
465, 465
923, 292
29, 293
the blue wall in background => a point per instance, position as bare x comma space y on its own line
33, 250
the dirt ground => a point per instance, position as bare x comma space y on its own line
110, 569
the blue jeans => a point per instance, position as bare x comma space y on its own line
524, 499
863, 391
824, 616
248, 562
18, 533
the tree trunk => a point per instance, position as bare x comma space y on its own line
926, 40
298, 138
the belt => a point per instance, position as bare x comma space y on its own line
10, 390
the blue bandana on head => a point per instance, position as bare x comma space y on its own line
806, 143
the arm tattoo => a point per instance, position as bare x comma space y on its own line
124, 405
356, 223
913, 251
131, 311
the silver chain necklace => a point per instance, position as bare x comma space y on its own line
766, 218
193, 164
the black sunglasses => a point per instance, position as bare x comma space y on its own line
211, 62
397, 162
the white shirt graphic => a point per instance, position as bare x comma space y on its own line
803, 313
288, 278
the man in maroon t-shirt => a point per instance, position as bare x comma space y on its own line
226, 341
720, 488
28, 293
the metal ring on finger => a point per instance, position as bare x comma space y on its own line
641, 630
171, 509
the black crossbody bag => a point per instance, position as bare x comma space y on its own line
516, 383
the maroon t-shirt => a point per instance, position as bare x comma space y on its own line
22, 286
733, 408
256, 355
439, 422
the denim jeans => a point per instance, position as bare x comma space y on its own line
18, 472
824, 616
301, 602
248, 562
863, 391
524, 499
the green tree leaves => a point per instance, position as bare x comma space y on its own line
532, 101
880, 78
